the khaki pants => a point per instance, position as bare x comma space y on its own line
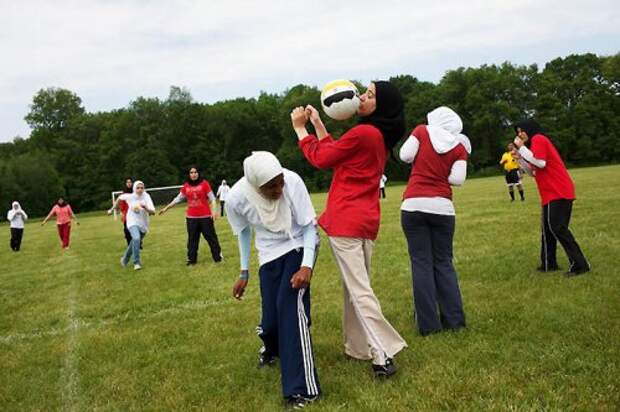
367, 334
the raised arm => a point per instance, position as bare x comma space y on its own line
177, 199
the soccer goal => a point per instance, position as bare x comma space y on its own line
160, 195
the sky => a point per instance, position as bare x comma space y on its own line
110, 52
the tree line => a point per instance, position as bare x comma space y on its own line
84, 156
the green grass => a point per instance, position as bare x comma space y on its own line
78, 332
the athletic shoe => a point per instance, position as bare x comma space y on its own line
577, 271
220, 260
137, 266
384, 371
299, 401
123, 263
265, 359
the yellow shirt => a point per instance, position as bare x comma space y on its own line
509, 162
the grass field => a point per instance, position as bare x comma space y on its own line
78, 332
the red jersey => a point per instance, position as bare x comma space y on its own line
197, 199
357, 159
124, 207
429, 176
553, 180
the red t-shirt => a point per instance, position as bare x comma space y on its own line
357, 159
124, 207
197, 199
429, 175
553, 180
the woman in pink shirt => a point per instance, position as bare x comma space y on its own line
64, 214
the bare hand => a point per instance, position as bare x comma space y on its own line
301, 279
136, 208
313, 115
518, 142
299, 117
239, 288
162, 211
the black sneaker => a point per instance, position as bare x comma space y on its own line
299, 401
577, 271
384, 371
265, 358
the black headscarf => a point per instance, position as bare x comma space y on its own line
193, 182
389, 116
529, 126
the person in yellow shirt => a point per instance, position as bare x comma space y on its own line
511, 168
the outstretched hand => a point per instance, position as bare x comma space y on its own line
301, 279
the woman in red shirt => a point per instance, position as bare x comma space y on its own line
122, 205
351, 218
199, 217
438, 153
64, 214
557, 193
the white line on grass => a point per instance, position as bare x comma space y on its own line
76, 323
70, 373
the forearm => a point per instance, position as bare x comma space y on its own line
525, 166
310, 240
245, 247
458, 173
529, 156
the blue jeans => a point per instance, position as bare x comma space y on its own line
134, 246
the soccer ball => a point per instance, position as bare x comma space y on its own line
340, 99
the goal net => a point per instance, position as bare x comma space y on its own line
160, 195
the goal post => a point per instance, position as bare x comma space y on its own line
160, 195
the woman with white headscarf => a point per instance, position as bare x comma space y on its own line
16, 216
438, 153
275, 202
140, 207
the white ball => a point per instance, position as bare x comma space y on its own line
340, 99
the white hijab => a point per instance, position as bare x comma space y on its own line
258, 169
444, 128
135, 185
13, 211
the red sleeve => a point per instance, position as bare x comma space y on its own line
327, 152
539, 147
70, 210
206, 187
461, 153
183, 191
417, 132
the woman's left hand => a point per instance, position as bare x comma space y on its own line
301, 279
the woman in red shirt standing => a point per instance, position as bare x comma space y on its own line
557, 193
438, 152
352, 216
199, 217
64, 214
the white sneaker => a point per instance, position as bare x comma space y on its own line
123, 263
137, 267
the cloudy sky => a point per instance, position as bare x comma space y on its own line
109, 52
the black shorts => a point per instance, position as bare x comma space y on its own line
513, 178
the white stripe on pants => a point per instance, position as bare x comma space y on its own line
367, 334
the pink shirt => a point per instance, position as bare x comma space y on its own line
63, 214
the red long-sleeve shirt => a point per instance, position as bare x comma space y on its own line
358, 160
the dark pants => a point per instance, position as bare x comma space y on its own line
555, 219
16, 238
437, 297
285, 325
127, 234
222, 211
382, 190
204, 226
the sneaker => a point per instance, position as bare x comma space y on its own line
577, 271
137, 266
221, 259
265, 358
384, 371
123, 263
299, 401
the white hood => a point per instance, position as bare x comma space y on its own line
444, 128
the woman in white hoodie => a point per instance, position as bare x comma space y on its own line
438, 152
16, 216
